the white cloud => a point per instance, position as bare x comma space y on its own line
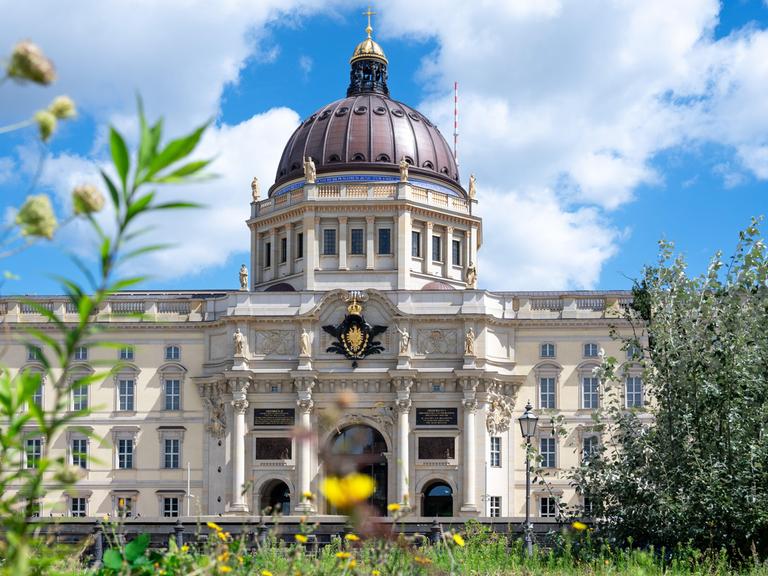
201, 239
7, 169
305, 64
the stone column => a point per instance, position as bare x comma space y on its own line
305, 404
403, 261
470, 469
370, 254
240, 406
273, 252
255, 260
448, 251
288, 248
427, 252
310, 250
343, 243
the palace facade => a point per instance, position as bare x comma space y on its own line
358, 331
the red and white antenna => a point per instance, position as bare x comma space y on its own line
456, 122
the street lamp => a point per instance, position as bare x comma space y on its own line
528, 423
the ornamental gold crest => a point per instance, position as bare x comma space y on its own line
355, 338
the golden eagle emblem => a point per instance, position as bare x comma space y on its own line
355, 338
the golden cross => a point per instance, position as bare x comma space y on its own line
369, 14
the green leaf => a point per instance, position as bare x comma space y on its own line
119, 155
184, 172
139, 205
113, 559
175, 151
137, 547
113, 193
173, 205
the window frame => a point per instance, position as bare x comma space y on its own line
550, 394
170, 455
32, 457
80, 513
551, 511
132, 396
542, 350
283, 250
267, 255
81, 353
416, 244
34, 353
172, 352
330, 236
641, 393
588, 348
164, 510
127, 353
299, 245
78, 457
437, 243
588, 453
548, 457
357, 235
384, 231
593, 395
169, 396
127, 456
495, 445
494, 506
455, 252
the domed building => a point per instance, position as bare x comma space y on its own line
358, 340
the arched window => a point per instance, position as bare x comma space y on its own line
437, 500
172, 352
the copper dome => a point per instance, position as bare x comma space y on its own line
367, 131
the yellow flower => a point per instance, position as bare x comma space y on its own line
301, 539
185, 548
223, 557
394, 507
266, 573
214, 526
344, 493
352, 537
375, 572
352, 563
307, 495
343, 555
458, 539
579, 526
225, 569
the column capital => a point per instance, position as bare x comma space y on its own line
305, 405
239, 387
240, 405
343, 219
470, 405
370, 219
403, 405
430, 225
449, 230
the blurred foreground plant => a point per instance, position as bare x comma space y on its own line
25, 477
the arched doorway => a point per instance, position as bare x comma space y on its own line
364, 447
437, 500
275, 498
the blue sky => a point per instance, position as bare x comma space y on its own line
594, 128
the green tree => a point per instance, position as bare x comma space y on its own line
692, 465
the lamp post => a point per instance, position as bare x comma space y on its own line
528, 423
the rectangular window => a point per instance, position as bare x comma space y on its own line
172, 352
356, 241
547, 452
126, 353
80, 452
547, 507
34, 353
283, 250
268, 255
125, 507
37, 397
496, 451
589, 397
589, 447
456, 252
415, 244
34, 450
81, 353
588, 506
385, 241
126, 395
34, 509
634, 392
172, 453
547, 350
437, 249
125, 453
79, 398
494, 506
170, 507
329, 241
634, 351
437, 448
300, 245
591, 350
173, 395
273, 448
547, 393
77, 507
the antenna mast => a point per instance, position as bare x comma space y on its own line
456, 122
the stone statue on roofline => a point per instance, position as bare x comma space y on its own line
469, 342
405, 339
243, 277
310, 173
255, 189
472, 186
238, 339
471, 276
404, 169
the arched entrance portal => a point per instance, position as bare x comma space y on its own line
364, 447
275, 498
437, 500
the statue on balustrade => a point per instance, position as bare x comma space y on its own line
472, 186
471, 276
403, 169
243, 277
310, 174
255, 189
238, 338
469, 342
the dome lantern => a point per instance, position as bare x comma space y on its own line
368, 72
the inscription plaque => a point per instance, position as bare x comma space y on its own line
436, 416
274, 416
